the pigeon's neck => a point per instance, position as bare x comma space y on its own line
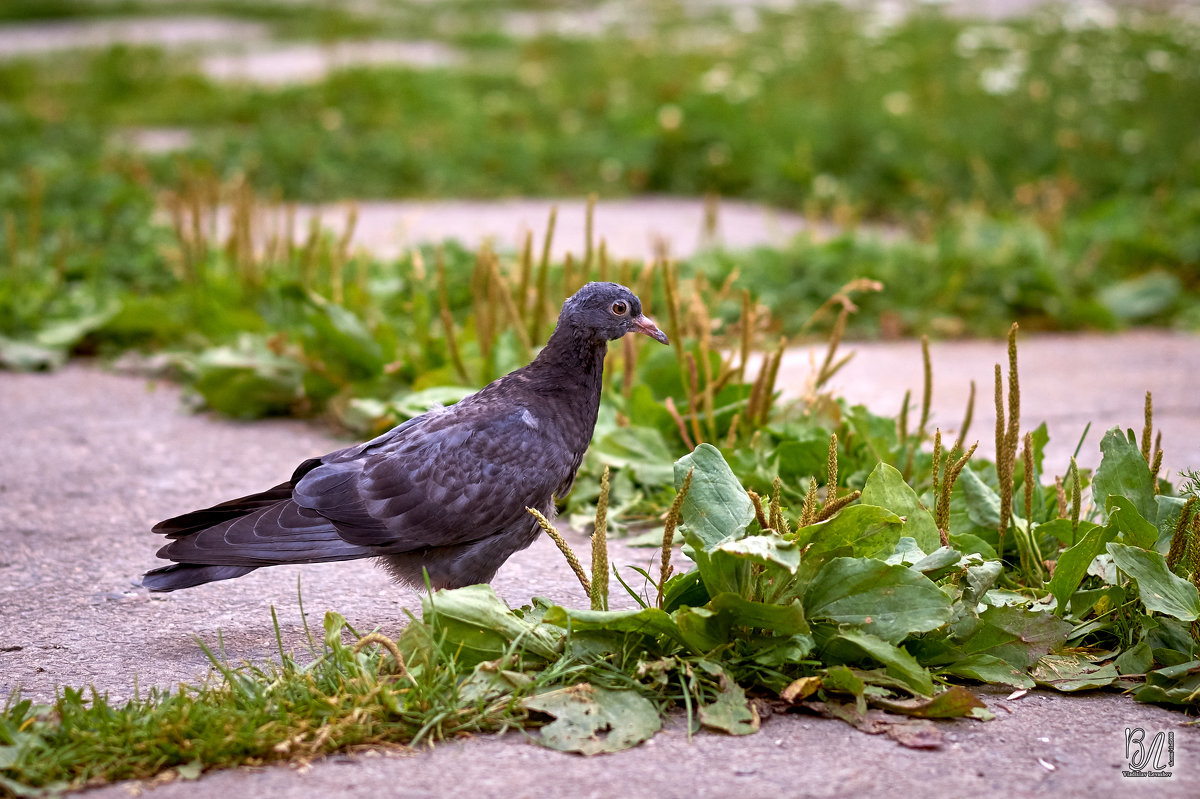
573, 359
570, 368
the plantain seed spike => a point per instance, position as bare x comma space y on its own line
1148, 428
599, 587
668, 540
808, 514
1179, 538
832, 471
564, 548
1076, 498
759, 514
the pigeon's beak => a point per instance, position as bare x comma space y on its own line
643, 324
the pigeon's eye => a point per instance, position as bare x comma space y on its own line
620, 307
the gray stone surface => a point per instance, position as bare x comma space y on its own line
92, 459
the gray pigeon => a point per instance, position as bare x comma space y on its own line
444, 492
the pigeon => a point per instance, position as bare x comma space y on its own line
442, 496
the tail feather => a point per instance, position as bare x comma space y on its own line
188, 523
189, 575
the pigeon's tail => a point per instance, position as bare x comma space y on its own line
236, 538
188, 575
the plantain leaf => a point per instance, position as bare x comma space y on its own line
1123, 473
886, 488
717, 507
476, 625
889, 601
1161, 591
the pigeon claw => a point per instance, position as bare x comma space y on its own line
643, 324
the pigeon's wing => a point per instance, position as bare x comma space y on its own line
282, 532
461, 475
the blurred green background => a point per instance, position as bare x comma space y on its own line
1043, 167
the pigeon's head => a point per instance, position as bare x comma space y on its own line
608, 311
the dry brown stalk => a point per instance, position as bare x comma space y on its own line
680, 425
926, 387
541, 308
447, 319
967, 419
510, 307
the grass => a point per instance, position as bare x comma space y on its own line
1065, 220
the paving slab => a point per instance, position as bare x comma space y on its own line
636, 228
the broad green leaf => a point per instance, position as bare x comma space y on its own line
415, 403
1136, 660
774, 651
642, 450
780, 619
970, 544
887, 601
476, 625
1161, 591
1062, 530
593, 720
341, 339
646, 621
980, 579
886, 488
717, 507
897, 662
248, 381
1169, 509
1123, 472
983, 504
1135, 530
1141, 297
26, 356
799, 459
703, 629
767, 550
938, 562
1173, 685
685, 589
869, 532
1073, 564
989, 669
1016, 635
720, 572
843, 680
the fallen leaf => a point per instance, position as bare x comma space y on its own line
592, 720
800, 689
